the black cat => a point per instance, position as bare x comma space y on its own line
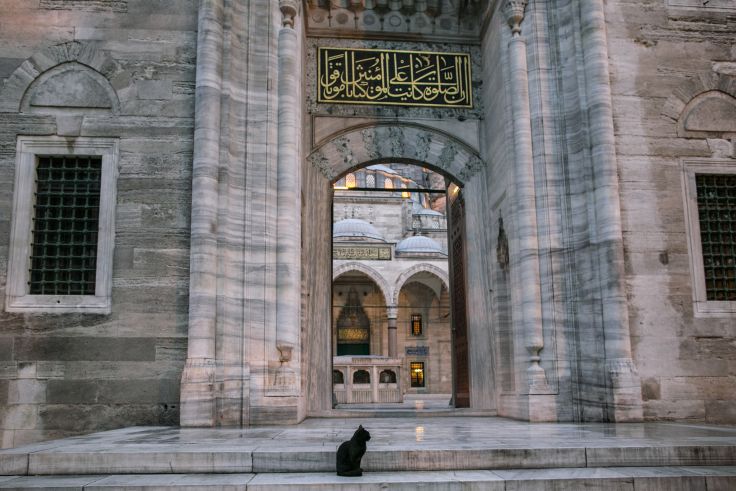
350, 452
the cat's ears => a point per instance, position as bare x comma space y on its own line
360, 427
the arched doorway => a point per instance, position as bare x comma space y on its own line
331, 160
389, 237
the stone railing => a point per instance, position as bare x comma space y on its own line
366, 379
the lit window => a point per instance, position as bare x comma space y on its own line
63, 230
416, 369
388, 183
416, 324
350, 181
717, 218
404, 194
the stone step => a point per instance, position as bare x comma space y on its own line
230, 458
622, 478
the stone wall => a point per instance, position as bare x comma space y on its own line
663, 54
63, 374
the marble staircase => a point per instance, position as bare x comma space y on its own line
405, 453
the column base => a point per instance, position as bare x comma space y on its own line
626, 391
197, 399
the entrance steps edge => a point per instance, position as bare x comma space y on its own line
195, 459
623, 478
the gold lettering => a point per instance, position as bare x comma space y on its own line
371, 76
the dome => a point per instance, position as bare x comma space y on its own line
418, 209
419, 244
352, 228
382, 168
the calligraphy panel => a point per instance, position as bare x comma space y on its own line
362, 253
394, 77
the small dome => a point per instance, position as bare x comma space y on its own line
418, 209
419, 244
382, 168
352, 228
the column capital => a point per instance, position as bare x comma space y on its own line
289, 11
514, 11
392, 312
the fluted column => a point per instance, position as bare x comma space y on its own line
392, 313
288, 254
198, 379
623, 377
525, 202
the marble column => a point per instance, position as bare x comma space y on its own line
392, 313
624, 381
288, 253
198, 379
527, 255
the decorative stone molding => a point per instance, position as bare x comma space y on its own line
502, 246
318, 160
514, 10
289, 11
85, 53
410, 143
690, 96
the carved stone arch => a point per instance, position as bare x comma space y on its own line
369, 272
711, 93
396, 142
82, 53
70, 85
418, 268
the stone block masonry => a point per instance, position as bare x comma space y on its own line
65, 374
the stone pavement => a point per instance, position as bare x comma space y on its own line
434, 452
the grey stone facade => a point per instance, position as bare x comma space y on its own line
589, 118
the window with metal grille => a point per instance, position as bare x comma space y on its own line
416, 324
717, 218
370, 181
416, 368
388, 183
65, 224
350, 181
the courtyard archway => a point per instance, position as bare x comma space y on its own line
333, 159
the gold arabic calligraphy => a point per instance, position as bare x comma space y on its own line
410, 78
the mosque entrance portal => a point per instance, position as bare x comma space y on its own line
395, 334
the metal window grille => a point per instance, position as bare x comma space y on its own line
66, 213
370, 181
416, 324
388, 183
717, 217
350, 181
417, 373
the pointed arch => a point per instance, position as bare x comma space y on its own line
418, 268
396, 142
369, 272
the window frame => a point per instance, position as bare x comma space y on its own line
416, 317
411, 375
28, 148
702, 307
